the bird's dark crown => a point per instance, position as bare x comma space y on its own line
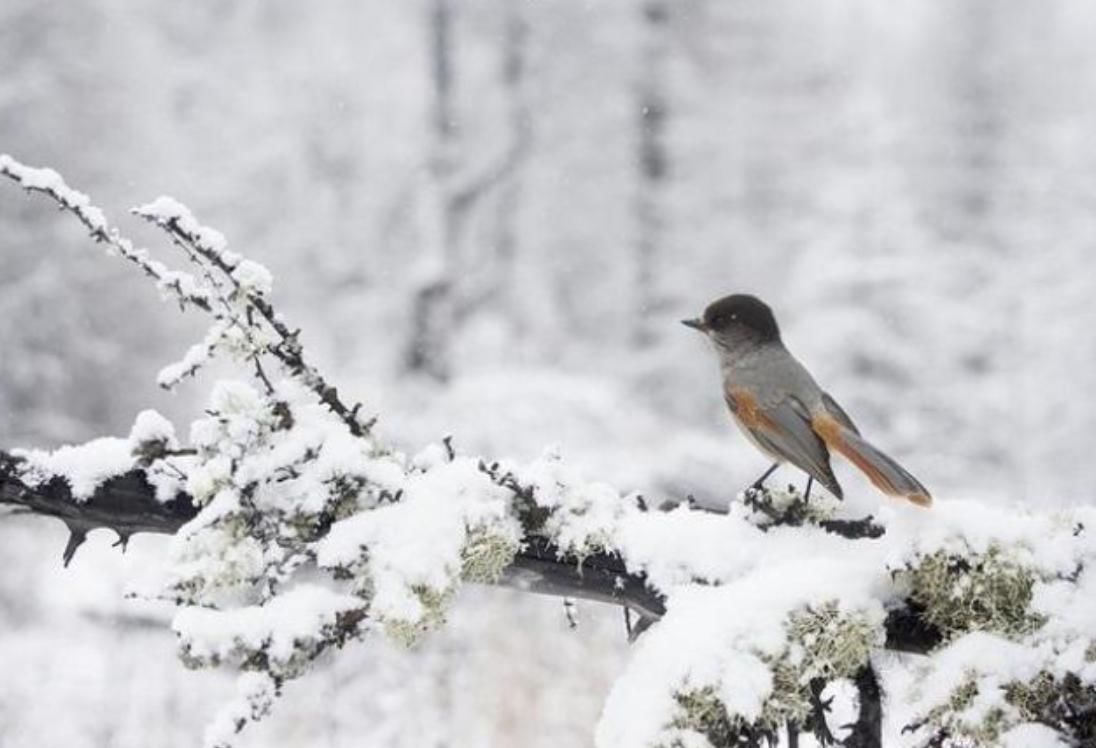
742, 310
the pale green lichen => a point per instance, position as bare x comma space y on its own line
1036, 700
949, 719
701, 712
485, 555
1057, 702
434, 604
1033, 698
823, 643
983, 592
818, 508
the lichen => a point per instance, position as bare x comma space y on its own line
410, 632
982, 592
1064, 703
770, 507
1033, 698
823, 643
949, 720
701, 712
485, 555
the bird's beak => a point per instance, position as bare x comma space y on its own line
696, 324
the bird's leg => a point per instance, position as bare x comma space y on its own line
760, 482
807, 493
758, 499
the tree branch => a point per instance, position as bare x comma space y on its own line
127, 504
867, 731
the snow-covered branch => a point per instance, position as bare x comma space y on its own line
296, 530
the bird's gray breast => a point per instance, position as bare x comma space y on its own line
770, 373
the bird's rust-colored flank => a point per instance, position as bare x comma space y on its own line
832, 433
744, 407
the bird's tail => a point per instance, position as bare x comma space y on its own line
887, 475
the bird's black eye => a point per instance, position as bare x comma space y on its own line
717, 321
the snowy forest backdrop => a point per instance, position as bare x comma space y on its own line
910, 185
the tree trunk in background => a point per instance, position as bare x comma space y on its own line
514, 68
652, 112
446, 293
428, 351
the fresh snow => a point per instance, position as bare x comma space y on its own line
276, 628
150, 427
84, 467
48, 180
166, 210
253, 277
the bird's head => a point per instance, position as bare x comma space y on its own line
736, 321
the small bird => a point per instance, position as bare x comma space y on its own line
782, 410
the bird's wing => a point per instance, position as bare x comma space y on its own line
838, 412
784, 429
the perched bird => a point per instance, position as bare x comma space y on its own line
782, 410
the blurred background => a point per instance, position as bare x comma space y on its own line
488, 217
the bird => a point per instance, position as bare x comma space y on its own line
780, 408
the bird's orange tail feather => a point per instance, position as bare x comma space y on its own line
887, 475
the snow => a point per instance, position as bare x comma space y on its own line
584, 513
932, 294
975, 654
255, 694
48, 180
167, 210
276, 628
151, 427
732, 587
1032, 735
1046, 540
416, 542
253, 278
84, 467
717, 636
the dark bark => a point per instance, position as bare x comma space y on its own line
867, 731
126, 504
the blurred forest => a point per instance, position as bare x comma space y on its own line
487, 216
